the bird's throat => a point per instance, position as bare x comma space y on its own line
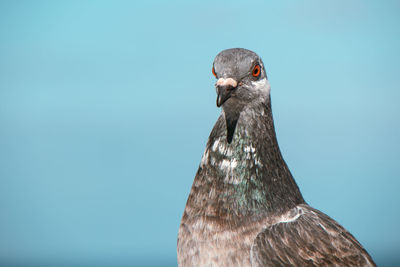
249, 175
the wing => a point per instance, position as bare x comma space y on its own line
313, 239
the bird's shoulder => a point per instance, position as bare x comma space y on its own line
307, 237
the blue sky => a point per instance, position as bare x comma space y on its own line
106, 107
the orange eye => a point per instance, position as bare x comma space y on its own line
213, 72
256, 71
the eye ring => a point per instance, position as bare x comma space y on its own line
256, 71
213, 72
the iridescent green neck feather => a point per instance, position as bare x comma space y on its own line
246, 178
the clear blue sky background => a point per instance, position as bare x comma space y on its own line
106, 107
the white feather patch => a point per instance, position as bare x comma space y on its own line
291, 215
204, 159
262, 86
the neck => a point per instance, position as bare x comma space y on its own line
247, 177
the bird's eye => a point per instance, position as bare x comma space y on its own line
256, 71
213, 72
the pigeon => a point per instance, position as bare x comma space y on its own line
244, 207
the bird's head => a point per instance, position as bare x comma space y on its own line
241, 78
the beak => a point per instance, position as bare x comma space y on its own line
225, 88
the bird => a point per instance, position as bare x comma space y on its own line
244, 207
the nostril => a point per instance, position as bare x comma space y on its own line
226, 82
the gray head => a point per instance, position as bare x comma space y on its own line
241, 78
